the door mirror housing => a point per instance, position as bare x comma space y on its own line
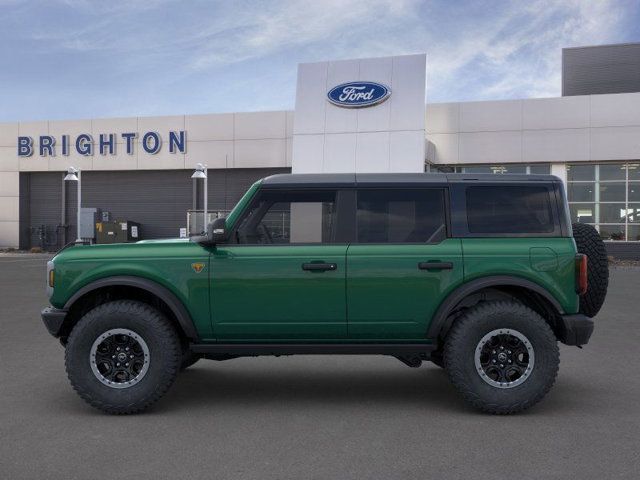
217, 230
216, 233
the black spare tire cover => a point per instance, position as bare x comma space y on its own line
588, 242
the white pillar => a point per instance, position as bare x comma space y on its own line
560, 171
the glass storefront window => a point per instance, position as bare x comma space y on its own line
612, 192
607, 196
540, 169
633, 213
581, 173
518, 168
582, 192
612, 212
613, 171
633, 233
582, 212
612, 232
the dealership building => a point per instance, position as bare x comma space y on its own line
139, 169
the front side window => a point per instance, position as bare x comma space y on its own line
509, 210
283, 217
401, 216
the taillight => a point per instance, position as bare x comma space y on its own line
581, 274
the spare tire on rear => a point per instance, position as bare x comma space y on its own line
588, 242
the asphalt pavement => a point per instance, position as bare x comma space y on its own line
316, 417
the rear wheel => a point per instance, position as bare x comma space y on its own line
122, 356
589, 243
502, 356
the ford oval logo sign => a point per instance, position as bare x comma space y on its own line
358, 94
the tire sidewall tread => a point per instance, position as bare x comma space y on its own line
459, 354
157, 332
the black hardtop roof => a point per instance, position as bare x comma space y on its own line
394, 179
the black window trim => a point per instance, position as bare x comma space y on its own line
341, 200
445, 191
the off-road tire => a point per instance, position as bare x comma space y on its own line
464, 337
588, 242
164, 352
188, 359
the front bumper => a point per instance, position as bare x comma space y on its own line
53, 319
575, 329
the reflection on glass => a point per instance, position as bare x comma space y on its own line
477, 169
543, 169
612, 192
581, 192
612, 232
613, 171
612, 212
634, 171
633, 213
634, 192
581, 172
634, 233
582, 212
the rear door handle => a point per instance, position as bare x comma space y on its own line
319, 267
435, 265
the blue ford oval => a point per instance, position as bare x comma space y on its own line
358, 94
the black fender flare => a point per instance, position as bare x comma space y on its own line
168, 297
439, 320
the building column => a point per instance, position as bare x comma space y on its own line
560, 171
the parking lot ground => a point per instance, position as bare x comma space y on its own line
319, 417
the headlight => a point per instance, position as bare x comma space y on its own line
51, 278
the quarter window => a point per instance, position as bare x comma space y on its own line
289, 217
509, 209
401, 216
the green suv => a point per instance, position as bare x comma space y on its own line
479, 274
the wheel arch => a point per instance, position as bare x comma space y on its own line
517, 287
126, 286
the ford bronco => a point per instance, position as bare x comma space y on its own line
480, 274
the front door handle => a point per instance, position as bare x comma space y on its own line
319, 267
435, 265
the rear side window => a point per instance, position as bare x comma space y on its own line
401, 216
509, 209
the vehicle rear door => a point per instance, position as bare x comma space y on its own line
402, 262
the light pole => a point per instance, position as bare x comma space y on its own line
201, 172
73, 175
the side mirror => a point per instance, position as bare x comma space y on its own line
216, 233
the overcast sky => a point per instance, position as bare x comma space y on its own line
65, 59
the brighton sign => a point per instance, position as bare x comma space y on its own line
104, 144
358, 94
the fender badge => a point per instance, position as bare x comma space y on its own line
197, 267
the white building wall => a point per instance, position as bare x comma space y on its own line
547, 130
381, 138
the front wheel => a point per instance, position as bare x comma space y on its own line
122, 356
502, 356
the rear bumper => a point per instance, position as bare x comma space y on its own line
575, 329
53, 319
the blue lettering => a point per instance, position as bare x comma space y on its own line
129, 139
25, 146
65, 145
47, 143
151, 142
177, 141
84, 144
107, 141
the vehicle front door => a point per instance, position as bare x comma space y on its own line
402, 263
282, 275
